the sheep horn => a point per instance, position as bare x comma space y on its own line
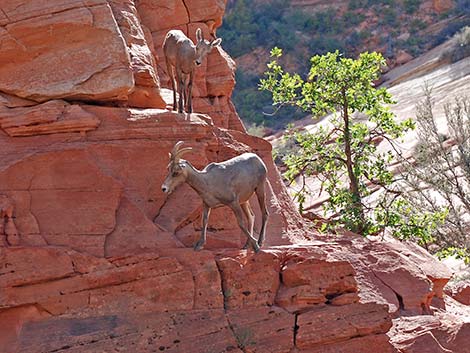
175, 149
182, 151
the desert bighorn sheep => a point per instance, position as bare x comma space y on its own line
229, 183
182, 56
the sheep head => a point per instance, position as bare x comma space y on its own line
204, 47
177, 168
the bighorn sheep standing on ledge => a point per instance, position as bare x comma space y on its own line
229, 183
182, 56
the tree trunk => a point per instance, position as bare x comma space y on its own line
353, 180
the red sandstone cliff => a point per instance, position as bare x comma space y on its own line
95, 258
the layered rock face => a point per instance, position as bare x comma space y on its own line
323, 297
95, 258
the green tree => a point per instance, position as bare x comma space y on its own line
343, 154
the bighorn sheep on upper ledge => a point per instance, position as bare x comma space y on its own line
182, 56
229, 183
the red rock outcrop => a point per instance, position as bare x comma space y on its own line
176, 298
446, 331
75, 50
95, 258
146, 93
51, 117
460, 291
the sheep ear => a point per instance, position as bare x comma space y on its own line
216, 42
199, 35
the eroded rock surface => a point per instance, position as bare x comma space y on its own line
226, 300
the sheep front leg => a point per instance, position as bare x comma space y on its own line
190, 93
237, 210
179, 78
260, 193
250, 216
205, 217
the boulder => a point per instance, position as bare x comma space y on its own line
65, 49
460, 291
52, 117
445, 331
403, 57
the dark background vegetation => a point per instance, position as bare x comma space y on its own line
249, 25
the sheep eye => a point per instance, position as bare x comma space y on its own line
175, 174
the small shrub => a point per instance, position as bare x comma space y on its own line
299, 20
326, 44
460, 46
411, 6
417, 25
451, 29
440, 178
380, 2
285, 147
256, 130
462, 7
413, 45
352, 19
463, 37
389, 16
357, 4
325, 22
458, 253
244, 337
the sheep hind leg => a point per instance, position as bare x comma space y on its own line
171, 74
185, 93
237, 210
250, 216
260, 193
205, 217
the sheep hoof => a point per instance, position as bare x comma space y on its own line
247, 244
256, 247
198, 246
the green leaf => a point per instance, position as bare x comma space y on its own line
276, 52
